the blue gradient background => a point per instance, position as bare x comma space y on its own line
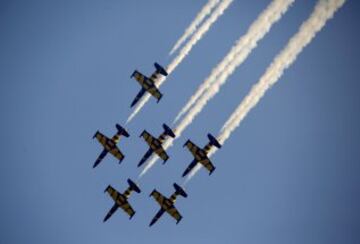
288, 174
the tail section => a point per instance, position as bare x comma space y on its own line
160, 69
168, 131
133, 186
179, 191
213, 141
122, 131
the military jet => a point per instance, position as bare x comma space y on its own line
121, 200
110, 144
155, 144
200, 154
148, 84
167, 204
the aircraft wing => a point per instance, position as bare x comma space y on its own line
111, 211
101, 138
157, 216
174, 213
101, 156
139, 77
117, 153
190, 167
158, 197
205, 162
138, 97
147, 137
192, 147
162, 154
128, 209
112, 192
145, 157
155, 92
208, 164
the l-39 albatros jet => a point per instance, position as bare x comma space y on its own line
148, 84
121, 200
200, 154
167, 204
155, 144
110, 144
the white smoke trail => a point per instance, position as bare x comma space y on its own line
247, 43
206, 10
240, 51
185, 50
138, 107
220, 9
324, 10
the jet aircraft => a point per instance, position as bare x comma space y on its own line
155, 144
109, 145
200, 154
148, 84
167, 204
121, 200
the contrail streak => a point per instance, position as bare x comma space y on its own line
324, 10
186, 50
206, 10
220, 9
241, 50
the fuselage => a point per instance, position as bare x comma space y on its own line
168, 203
111, 143
148, 83
200, 155
155, 144
123, 198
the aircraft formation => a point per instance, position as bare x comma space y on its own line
155, 146
322, 12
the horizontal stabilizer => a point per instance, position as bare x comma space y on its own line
214, 141
168, 131
179, 190
122, 131
160, 69
133, 186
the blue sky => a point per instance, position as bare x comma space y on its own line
289, 173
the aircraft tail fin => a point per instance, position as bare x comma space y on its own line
160, 69
122, 131
179, 190
168, 131
133, 186
214, 141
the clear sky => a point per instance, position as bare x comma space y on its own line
288, 174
